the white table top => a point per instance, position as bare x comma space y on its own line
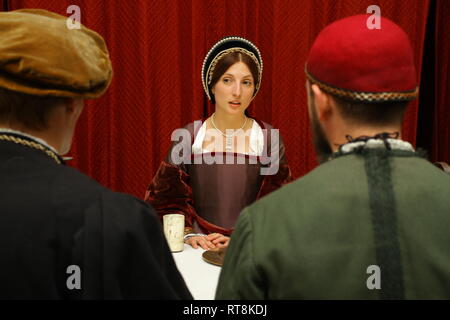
201, 277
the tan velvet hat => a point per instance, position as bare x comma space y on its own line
40, 55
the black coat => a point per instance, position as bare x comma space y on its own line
53, 217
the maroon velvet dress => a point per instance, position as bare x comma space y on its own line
211, 195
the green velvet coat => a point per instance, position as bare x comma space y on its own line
314, 238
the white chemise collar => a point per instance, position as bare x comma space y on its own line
395, 144
256, 140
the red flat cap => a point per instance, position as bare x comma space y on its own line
356, 63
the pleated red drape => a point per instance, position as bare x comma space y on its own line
157, 49
433, 125
440, 147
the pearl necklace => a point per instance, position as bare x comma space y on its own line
229, 137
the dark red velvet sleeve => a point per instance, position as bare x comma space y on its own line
170, 192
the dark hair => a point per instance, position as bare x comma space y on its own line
377, 113
28, 110
226, 62
380, 113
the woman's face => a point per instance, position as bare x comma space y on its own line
234, 90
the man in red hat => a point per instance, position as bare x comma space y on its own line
372, 221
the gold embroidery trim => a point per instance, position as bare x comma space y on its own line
366, 96
31, 144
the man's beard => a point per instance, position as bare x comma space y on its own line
323, 149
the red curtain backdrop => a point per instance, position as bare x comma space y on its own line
433, 126
157, 49
440, 147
